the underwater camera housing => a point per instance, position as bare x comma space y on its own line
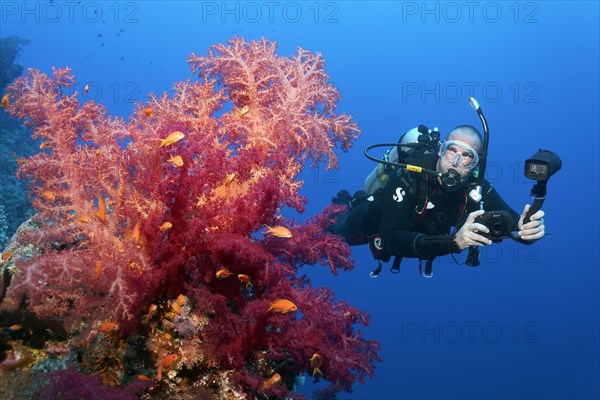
498, 222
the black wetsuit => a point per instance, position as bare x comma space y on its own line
405, 229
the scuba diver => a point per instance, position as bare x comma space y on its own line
427, 199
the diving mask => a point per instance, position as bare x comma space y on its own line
459, 155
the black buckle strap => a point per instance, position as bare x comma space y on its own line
396, 265
428, 272
377, 271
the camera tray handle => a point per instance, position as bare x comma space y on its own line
538, 192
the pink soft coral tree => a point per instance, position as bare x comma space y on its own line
250, 123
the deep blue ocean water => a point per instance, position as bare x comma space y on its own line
525, 323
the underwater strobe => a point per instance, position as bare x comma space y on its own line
540, 167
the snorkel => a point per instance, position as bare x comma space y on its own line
475, 194
479, 174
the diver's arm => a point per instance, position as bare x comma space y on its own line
397, 207
418, 245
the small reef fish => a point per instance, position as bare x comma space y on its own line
315, 363
7, 255
174, 137
144, 378
108, 327
83, 218
101, 213
165, 226
135, 234
282, 306
271, 381
228, 179
169, 360
176, 160
5, 101
245, 279
148, 112
86, 88
151, 312
279, 231
42, 145
49, 195
166, 364
182, 300
98, 271
244, 111
223, 273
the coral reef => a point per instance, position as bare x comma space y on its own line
15, 143
3, 228
147, 242
10, 47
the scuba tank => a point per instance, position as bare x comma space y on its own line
416, 138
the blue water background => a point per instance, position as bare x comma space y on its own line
524, 324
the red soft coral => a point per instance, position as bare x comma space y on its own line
103, 188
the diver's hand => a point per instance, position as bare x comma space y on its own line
534, 229
468, 236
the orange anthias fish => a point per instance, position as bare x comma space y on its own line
101, 213
282, 306
228, 179
144, 378
279, 231
5, 101
169, 360
98, 270
108, 327
182, 300
174, 137
8, 254
176, 160
223, 273
145, 318
315, 363
165, 364
245, 279
165, 226
86, 88
271, 381
148, 111
135, 234
83, 218
49, 195
244, 111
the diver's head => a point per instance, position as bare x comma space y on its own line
458, 157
